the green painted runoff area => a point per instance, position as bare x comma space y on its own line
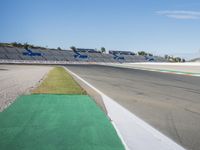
56, 122
50, 120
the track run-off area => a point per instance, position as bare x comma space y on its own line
56, 114
168, 102
43, 107
16, 80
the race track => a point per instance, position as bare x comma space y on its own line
168, 102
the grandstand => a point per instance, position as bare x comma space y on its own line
79, 55
87, 50
121, 52
195, 60
126, 56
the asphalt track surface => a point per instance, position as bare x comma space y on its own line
168, 102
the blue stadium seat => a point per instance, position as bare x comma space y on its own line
30, 53
78, 55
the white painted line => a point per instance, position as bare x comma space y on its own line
119, 134
134, 132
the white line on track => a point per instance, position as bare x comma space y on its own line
134, 132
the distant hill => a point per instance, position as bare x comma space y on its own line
20, 45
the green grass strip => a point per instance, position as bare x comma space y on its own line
56, 122
58, 81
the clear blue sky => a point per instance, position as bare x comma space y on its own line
158, 26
